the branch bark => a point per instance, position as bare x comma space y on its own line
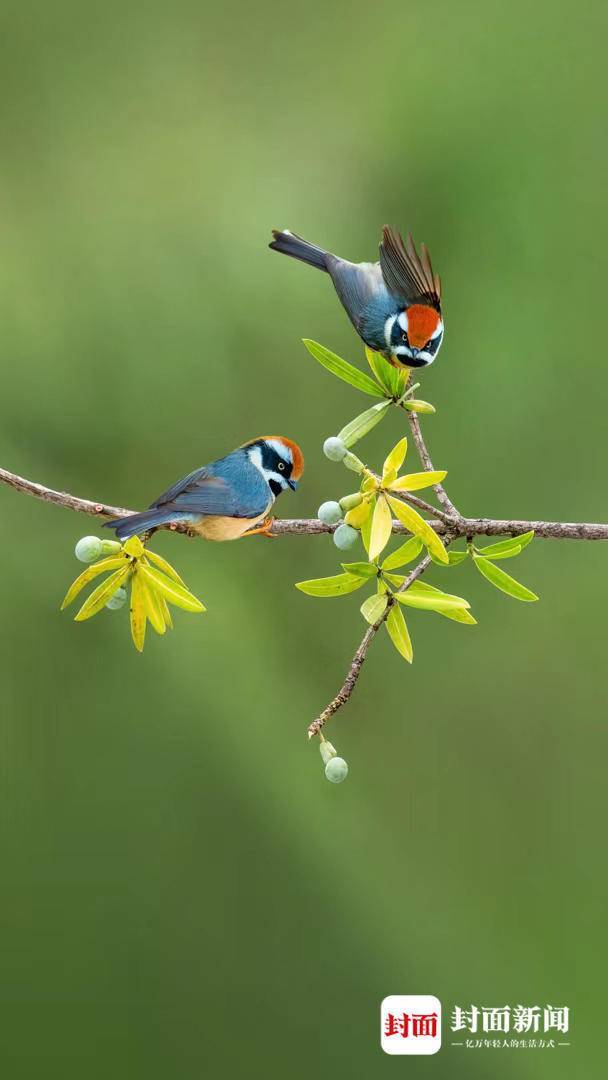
453, 522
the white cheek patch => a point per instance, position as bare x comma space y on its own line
388, 329
428, 359
255, 457
403, 323
402, 350
438, 331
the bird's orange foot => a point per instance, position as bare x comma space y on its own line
265, 529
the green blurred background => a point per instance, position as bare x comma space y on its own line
182, 888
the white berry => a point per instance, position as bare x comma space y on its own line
329, 513
88, 548
334, 448
117, 600
345, 537
336, 770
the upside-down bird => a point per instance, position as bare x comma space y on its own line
394, 304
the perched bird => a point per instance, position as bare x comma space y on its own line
394, 305
228, 497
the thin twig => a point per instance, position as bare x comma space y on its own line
427, 464
358, 659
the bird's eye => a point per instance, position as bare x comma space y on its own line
281, 466
404, 337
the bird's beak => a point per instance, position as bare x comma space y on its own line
293, 484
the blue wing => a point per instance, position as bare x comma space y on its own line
230, 487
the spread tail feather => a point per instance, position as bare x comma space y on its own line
139, 523
289, 243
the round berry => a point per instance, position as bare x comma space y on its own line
334, 448
336, 770
88, 548
118, 600
345, 537
329, 513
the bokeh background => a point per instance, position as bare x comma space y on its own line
182, 889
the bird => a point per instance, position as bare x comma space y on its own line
394, 304
227, 498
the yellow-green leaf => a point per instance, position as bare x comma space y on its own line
374, 607
100, 596
399, 634
387, 375
417, 480
428, 601
362, 424
459, 614
417, 406
137, 612
506, 548
404, 554
395, 459
152, 605
503, 581
366, 528
163, 565
359, 514
112, 563
363, 569
134, 547
172, 591
164, 607
338, 585
382, 526
419, 527
343, 370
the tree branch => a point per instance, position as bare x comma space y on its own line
454, 523
359, 658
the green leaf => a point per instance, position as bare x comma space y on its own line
112, 563
366, 527
171, 590
362, 569
398, 633
395, 459
417, 406
387, 375
152, 604
419, 527
454, 558
503, 581
363, 423
343, 370
100, 596
458, 614
461, 615
505, 548
417, 480
137, 612
382, 527
423, 587
163, 565
404, 554
374, 607
428, 598
338, 585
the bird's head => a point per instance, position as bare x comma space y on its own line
279, 460
414, 336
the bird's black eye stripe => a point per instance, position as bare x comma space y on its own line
432, 346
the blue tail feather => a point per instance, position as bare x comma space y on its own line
139, 523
